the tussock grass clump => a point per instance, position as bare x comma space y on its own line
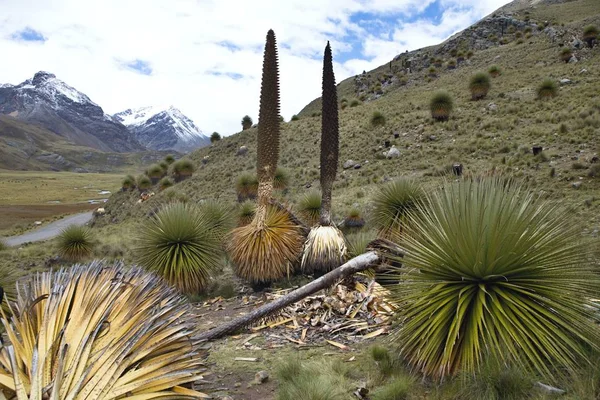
547, 89
565, 54
165, 183
143, 183
169, 159
354, 219
506, 276
75, 242
399, 388
155, 172
479, 85
181, 243
494, 71
246, 213
392, 203
128, 183
377, 119
313, 380
294, 118
182, 169
309, 207
281, 180
246, 187
441, 105
264, 254
590, 35
98, 331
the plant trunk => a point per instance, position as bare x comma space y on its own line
357, 264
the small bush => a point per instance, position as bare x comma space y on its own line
377, 119
143, 183
169, 159
451, 64
128, 183
309, 207
182, 169
75, 243
547, 89
295, 118
566, 54
215, 137
470, 54
441, 106
590, 35
354, 103
479, 85
246, 122
494, 71
155, 172
165, 183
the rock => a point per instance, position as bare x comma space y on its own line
99, 211
357, 166
583, 71
242, 151
565, 81
537, 150
576, 185
349, 164
308, 185
392, 153
387, 143
576, 43
492, 107
549, 389
37, 223
261, 377
205, 159
432, 138
573, 60
396, 135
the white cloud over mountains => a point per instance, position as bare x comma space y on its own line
205, 56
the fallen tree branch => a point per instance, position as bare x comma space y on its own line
357, 264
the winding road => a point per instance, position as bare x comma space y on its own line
49, 231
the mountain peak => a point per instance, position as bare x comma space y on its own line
41, 77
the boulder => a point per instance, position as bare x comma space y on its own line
242, 151
349, 164
565, 81
392, 153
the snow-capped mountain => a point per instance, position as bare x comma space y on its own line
49, 102
163, 129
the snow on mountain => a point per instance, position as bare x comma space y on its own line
163, 129
49, 102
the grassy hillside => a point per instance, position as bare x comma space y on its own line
29, 147
496, 133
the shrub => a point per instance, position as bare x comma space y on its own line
479, 85
128, 183
246, 122
143, 183
246, 213
309, 207
566, 54
432, 72
169, 159
451, 64
165, 167
246, 187
215, 137
547, 89
392, 203
494, 71
354, 103
470, 54
590, 35
281, 179
182, 169
313, 381
180, 243
354, 219
377, 119
108, 330
295, 118
264, 254
165, 183
441, 106
155, 172
505, 276
75, 242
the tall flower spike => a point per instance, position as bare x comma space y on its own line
268, 126
329, 136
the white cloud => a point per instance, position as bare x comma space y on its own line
185, 42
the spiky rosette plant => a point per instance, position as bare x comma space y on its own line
8, 277
391, 205
246, 213
441, 106
590, 35
128, 183
246, 187
547, 89
262, 250
165, 183
265, 255
143, 183
281, 180
309, 207
155, 172
182, 243
325, 247
479, 85
492, 272
99, 332
75, 242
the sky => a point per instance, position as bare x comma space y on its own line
205, 56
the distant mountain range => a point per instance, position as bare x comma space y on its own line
50, 103
160, 129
